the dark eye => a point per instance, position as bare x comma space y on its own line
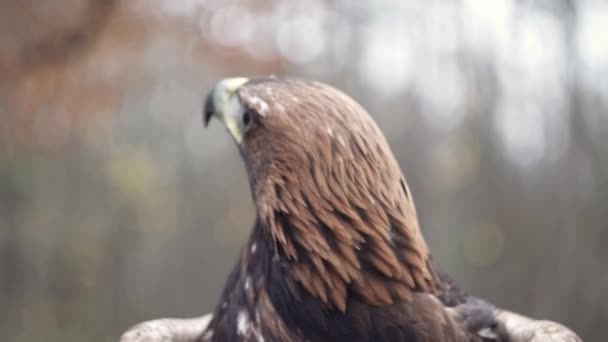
247, 119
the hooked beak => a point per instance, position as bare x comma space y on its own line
222, 103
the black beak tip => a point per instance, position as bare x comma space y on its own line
209, 108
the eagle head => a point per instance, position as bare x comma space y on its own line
326, 187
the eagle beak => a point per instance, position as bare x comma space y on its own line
222, 104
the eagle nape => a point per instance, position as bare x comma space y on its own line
336, 252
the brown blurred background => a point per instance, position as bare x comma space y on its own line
116, 206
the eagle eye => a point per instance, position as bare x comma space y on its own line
247, 119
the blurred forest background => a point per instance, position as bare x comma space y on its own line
116, 206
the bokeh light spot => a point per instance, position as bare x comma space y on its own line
300, 40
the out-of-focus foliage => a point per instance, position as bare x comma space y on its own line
116, 206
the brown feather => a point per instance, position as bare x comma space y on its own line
327, 163
340, 243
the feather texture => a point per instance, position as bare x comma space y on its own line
338, 250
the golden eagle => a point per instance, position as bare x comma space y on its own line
336, 252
